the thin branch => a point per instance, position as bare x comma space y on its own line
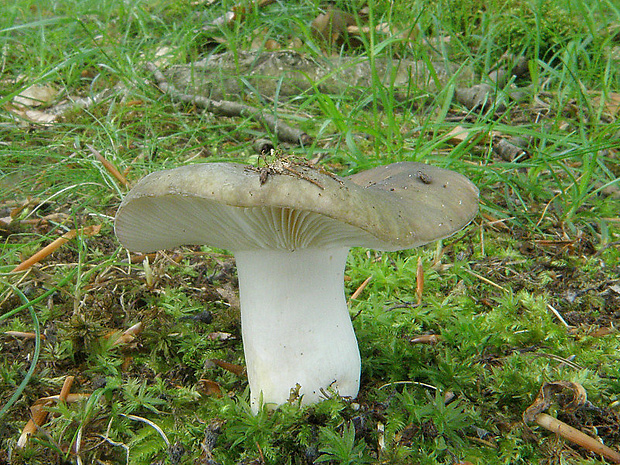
284, 132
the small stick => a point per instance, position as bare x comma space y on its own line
574, 435
361, 288
45, 251
558, 316
23, 335
53, 246
108, 165
283, 131
488, 281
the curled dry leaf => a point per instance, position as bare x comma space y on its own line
34, 116
31, 97
573, 392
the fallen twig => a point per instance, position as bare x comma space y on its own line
282, 131
574, 435
534, 413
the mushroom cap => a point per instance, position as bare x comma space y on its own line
291, 206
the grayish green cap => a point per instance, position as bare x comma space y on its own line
231, 206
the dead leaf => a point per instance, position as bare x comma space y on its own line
36, 95
209, 388
572, 397
611, 104
459, 134
163, 55
229, 294
603, 331
331, 27
426, 339
34, 116
129, 334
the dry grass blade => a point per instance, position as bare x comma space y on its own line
108, 165
23, 335
39, 412
419, 289
361, 288
56, 244
486, 280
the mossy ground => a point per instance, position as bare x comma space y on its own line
546, 241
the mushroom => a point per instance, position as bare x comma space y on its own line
290, 231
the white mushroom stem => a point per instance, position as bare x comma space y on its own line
296, 325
